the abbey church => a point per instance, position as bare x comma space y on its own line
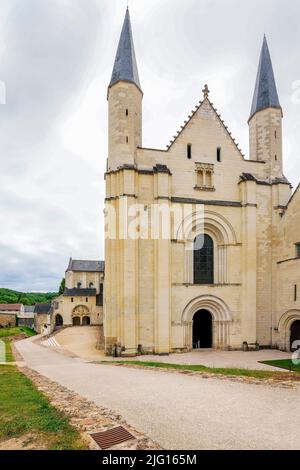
227, 273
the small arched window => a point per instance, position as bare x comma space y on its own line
203, 260
79, 285
127, 112
91, 285
189, 151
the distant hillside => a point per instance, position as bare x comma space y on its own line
8, 296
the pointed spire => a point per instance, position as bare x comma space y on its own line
265, 93
125, 67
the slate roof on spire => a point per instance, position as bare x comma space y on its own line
265, 93
125, 67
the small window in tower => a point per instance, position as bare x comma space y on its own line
219, 154
298, 250
189, 151
276, 158
295, 293
72, 300
275, 133
86, 299
127, 139
127, 112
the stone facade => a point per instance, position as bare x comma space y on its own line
82, 302
243, 205
42, 324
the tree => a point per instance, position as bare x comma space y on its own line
62, 286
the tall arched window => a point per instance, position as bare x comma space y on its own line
203, 260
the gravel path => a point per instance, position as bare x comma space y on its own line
180, 411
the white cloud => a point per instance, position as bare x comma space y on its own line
56, 59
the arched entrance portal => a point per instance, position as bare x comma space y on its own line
59, 322
86, 321
295, 335
202, 330
76, 321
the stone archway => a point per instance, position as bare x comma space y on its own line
59, 321
219, 229
202, 330
86, 321
221, 319
287, 333
81, 316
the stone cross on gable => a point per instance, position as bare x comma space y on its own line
205, 91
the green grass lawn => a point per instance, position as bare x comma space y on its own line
283, 364
5, 332
259, 374
24, 410
9, 357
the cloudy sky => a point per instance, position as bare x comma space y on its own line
56, 58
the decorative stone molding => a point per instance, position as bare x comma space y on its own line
204, 176
222, 319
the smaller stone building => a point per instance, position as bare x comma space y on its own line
82, 301
9, 314
43, 319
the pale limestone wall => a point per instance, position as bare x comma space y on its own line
125, 123
85, 278
41, 323
65, 307
150, 297
264, 265
287, 308
206, 132
266, 140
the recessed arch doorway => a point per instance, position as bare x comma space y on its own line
295, 335
202, 330
76, 321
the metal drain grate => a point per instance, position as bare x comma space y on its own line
112, 437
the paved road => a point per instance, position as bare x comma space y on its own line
180, 411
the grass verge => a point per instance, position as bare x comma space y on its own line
258, 374
5, 332
24, 410
286, 364
9, 357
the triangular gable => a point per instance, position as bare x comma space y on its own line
193, 114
